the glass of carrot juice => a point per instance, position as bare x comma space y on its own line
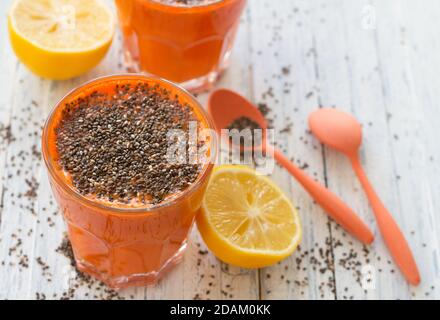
185, 41
128, 205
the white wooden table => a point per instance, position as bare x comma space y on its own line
379, 60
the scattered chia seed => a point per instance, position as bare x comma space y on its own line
309, 95
287, 128
82, 279
115, 147
5, 134
286, 70
265, 111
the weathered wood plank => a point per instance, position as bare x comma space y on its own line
365, 72
410, 86
348, 80
8, 69
283, 64
21, 181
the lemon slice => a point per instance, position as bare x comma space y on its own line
60, 39
246, 220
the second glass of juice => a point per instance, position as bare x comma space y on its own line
188, 42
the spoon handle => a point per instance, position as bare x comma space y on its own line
394, 239
331, 203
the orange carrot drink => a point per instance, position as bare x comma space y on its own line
185, 41
128, 205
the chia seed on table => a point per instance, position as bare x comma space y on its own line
115, 146
265, 111
82, 279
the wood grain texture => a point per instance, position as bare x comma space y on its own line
376, 59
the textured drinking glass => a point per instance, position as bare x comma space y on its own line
125, 246
189, 45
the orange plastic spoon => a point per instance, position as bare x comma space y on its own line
225, 106
343, 132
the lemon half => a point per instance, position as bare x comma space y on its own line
60, 39
246, 220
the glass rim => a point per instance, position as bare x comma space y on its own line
184, 7
207, 167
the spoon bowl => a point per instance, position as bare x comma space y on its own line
226, 106
336, 129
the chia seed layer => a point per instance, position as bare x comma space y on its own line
114, 146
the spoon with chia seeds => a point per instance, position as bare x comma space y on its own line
228, 108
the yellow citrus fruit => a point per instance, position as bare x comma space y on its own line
246, 220
60, 39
